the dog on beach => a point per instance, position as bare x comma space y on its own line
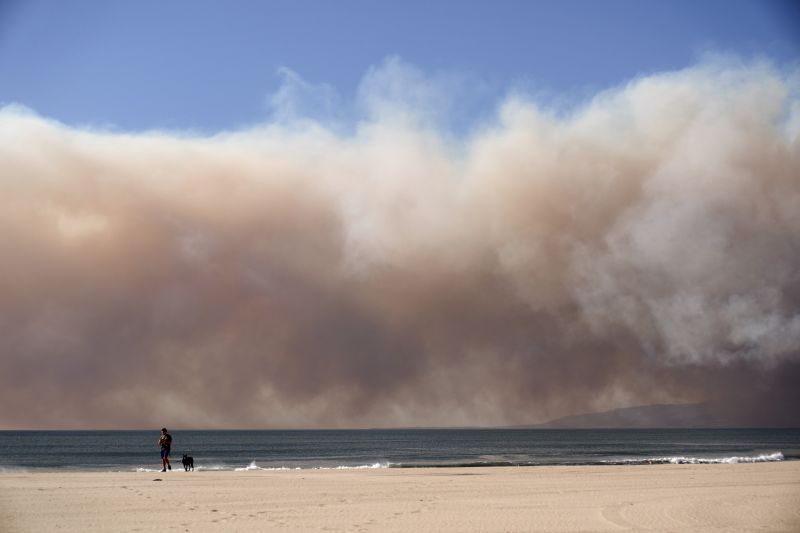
188, 462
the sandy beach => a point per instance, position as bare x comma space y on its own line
737, 497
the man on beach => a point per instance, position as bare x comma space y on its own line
165, 442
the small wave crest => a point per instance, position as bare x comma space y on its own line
497, 462
682, 460
354, 467
253, 466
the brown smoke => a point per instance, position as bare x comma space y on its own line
643, 249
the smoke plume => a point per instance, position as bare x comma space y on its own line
643, 247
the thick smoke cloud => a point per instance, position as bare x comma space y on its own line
642, 248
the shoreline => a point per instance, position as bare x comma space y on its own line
254, 467
743, 497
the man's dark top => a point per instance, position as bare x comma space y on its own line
165, 441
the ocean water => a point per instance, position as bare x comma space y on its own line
396, 448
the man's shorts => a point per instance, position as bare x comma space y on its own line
164, 452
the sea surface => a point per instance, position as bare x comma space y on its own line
396, 448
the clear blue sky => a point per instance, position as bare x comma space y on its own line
210, 65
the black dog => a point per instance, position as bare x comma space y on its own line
188, 462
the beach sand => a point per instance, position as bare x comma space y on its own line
737, 497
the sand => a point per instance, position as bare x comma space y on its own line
739, 497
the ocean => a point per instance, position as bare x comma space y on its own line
32, 451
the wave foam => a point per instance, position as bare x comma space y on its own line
763, 458
254, 466
682, 460
675, 460
356, 467
251, 466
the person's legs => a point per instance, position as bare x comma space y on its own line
164, 459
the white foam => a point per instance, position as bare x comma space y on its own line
254, 466
356, 467
683, 460
763, 458
251, 466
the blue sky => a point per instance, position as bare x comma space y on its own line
207, 65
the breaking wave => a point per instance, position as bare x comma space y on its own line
675, 460
682, 460
356, 467
762, 458
254, 466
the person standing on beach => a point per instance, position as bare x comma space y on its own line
165, 442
